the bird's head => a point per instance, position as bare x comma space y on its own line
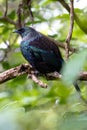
24, 31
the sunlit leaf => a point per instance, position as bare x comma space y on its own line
74, 66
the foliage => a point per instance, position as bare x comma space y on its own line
23, 104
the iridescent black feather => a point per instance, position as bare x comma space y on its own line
42, 53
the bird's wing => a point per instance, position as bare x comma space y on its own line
46, 56
46, 50
45, 43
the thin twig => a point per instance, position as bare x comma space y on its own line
30, 11
71, 22
62, 45
37, 81
77, 19
19, 13
5, 14
7, 19
69, 36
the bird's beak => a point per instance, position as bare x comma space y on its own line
15, 31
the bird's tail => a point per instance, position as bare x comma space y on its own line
79, 91
77, 86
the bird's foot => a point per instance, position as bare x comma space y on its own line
33, 72
23, 67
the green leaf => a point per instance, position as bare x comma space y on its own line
73, 67
74, 121
12, 14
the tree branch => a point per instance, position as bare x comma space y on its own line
13, 72
36, 80
5, 14
62, 45
19, 13
7, 19
30, 11
69, 36
26, 69
18, 71
78, 21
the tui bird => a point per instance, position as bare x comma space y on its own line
41, 51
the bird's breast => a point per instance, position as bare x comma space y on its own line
25, 49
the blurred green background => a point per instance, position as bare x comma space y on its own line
23, 104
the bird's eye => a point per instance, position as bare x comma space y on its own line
21, 30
